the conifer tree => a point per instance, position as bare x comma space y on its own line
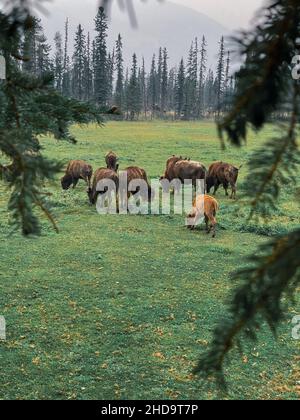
152, 87
100, 59
58, 62
66, 78
220, 76
180, 90
79, 61
202, 77
88, 73
134, 94
164, 81
119, 92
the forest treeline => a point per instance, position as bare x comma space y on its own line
95, 74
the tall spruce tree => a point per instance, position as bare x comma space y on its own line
152, 87
79, 61
134, 93
220, 76
88, 72
58, 62
180, 90
164, 82
100, 59
119, 90
66, 79
202, 77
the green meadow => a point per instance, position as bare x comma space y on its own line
121, 307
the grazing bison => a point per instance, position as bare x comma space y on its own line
207, 206
134, 173
103, 175
76, 170
221, 173
184, 170
111, 160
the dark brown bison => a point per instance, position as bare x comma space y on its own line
221, 173
134, 173
184, 170
103, 175
111, 160
204, 206
76, 170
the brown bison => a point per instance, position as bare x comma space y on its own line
103, 175
134, 173
111, 160
184, 170
206, 206
221, 173
76, 170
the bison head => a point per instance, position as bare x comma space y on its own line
66, 182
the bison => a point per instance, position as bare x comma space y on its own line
134, 173
184, 170
207, 206
103, 175
221, 173
76, 170
111, 160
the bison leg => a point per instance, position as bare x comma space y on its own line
216, 187
233, 194
207, 224
226, 189
75, 182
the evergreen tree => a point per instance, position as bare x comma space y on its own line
119, 92
79, 61
152, 87
202, 77
110, 76
158, 83
143, 88
180, 90
191, 82
220, 76
66, 78
88, 73
171, 90
164, 81
43, 60
58, 62
100, 59
134, 94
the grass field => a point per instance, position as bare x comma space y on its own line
121, 307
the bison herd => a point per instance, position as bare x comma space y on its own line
183, 170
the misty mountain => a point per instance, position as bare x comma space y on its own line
166, 24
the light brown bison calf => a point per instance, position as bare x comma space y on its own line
111, 160
76, 170
221, 173
206, 206
103, 175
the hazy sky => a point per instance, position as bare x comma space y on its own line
231, 13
